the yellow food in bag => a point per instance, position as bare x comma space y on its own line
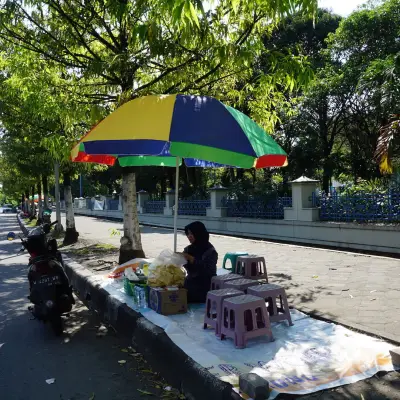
166, 275
166, 270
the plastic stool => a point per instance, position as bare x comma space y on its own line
217, 282
215, 298
240, 284
252, 267
232, 257
245, 317
270, 293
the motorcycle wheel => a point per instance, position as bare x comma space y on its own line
57, 325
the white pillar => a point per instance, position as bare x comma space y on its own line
302, 208
120, 203
169, 202
143, 197
217, 194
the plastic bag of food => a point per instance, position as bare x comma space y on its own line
118, 271
166, 270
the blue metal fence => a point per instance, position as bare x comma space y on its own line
113, 204
359, 207
89, 204
263, 208
193, 207
154, 206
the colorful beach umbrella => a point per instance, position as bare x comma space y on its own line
196, 127
161, 130
141, 161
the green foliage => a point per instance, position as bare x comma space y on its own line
68, 64
378, 186
328, 88
114, 232
368, 42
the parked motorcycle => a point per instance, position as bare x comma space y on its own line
50, 291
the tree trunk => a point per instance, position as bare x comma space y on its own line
33, 210
45, 192
40, 205
131, 243
23, 202
59, 227
71, 235
26, 202
327, 176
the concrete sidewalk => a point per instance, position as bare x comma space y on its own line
356, 290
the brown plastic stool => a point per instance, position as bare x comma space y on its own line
217, 282
270, 293
245, 317
215, 298
241, 284
252, 267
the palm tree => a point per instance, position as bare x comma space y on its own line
389, 134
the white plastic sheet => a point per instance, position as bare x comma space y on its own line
310, 356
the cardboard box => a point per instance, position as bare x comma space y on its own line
168, 301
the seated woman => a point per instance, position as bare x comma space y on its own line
202, 262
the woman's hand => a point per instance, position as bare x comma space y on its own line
188, 257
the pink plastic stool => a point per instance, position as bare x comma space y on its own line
252, 267
270, 293
215, 298
245, 317
217, 282
240, 284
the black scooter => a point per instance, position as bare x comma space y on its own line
50, 291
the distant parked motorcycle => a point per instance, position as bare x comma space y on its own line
50, 291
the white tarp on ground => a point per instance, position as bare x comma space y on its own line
311, 355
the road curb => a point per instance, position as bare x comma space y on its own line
22, 226
164, 356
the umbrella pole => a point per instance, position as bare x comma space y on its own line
176, 204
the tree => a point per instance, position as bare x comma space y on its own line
118, 50
40, 124
367, 46
309, 128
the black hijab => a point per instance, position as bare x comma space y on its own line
201, 235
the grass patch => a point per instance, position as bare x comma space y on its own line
32, 223
99, 248
105, 246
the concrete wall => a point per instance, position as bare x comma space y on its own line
373, 238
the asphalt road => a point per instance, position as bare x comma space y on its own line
84, 365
